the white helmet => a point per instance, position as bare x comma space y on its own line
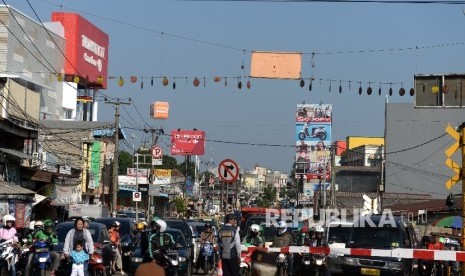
162, 224
282, 227
39, 224
31, 224
255, 228
8, 218
319, 229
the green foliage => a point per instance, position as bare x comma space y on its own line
190, 168
180, 203
124, 162
268, 197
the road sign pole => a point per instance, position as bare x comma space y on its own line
462, 144
137, 186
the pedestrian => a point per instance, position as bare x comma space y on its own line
79, 233
115, 239
230, 245
79, 258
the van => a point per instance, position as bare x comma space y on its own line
337, 235
388, 232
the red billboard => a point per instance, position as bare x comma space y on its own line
86, 49
187, 142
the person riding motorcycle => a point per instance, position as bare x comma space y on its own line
47, 235
283, 239
207, 235
303, 238
159, 241
38, 226
8, 233
254, 238
319, 241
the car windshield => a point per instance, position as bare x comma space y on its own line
63, 229
177, 237
374, 237
338, 234
181, 225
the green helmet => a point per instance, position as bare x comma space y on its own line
49, 224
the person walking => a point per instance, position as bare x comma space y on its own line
230, 245
115, 239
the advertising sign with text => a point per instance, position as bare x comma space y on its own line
187, 142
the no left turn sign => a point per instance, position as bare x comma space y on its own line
228, 170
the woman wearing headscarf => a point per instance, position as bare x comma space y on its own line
79, 233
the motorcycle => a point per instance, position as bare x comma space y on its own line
246, 264
169, 260
98, 264
318, 264
305, 263
208, 257
41, 261
319, 132
282, 264
6, 257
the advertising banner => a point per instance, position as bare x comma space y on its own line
65, 195
162, 176
312, 132
86, 49
276, 65
139, 173
159, 110
189, 186
95, 163
314, 113
187, 142
131, 180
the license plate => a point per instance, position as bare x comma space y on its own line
370, 271
42, 260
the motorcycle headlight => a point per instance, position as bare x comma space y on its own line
281, 257
174, 262
307, 262
181, 259
351, 261
137, 259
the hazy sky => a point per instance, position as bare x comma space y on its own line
266, 112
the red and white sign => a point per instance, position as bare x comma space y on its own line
228, 170
187, 142
86, 48
157, 152
136, 196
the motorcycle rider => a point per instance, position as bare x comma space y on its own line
319, 241
47, 235
38, 226
8, 232
254, 238
115, 239
304, 238
283, 239
159, 240
206, 235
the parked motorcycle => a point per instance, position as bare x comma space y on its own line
282, 264
319, 132
246, 264
6, 257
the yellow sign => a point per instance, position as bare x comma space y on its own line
452, 149
456, 168
162, 173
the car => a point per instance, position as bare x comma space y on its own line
183, 251
126, 231
187, 232
383, 233
337, 235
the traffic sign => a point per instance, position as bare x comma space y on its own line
228, 170
157, 152
456, 168
136, 196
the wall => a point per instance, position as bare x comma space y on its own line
356, 141
419, 170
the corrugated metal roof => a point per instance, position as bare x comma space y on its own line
16, 153
12, 189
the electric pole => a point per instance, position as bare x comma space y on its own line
114, 196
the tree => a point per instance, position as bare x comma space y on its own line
268, 197
180, 205
124, 162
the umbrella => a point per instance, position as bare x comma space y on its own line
450, 222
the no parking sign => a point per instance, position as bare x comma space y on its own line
136, 196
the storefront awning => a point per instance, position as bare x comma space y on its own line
16, 153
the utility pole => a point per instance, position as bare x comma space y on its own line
116, 104
383, 162
333, 177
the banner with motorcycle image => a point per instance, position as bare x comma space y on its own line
313, 141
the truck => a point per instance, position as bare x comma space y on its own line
88, 210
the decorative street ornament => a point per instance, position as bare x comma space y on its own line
412, 91
174, 83
390, 89
100, 80
151, 82
445, 89
217, 79
76, 79
401, 90
239, 84
369, 90
302, 83
133, 79
435, 89
225, 81
141, 82
120, 81
340, 87
310, 86
196, 82
248, 84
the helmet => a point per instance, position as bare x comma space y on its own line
31, 224
304, 229
282, 227
49, 224
38, 225
8, 218
208, 225
254, 228
161, 224
319, 229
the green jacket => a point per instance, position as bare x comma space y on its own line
44, 236
162, 241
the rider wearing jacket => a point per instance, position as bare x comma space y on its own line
284, 239
254, 238
319, 241
207, 235
159, 240
47, 235
8, 232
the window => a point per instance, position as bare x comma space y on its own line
68, 113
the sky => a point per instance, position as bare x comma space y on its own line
350, 42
